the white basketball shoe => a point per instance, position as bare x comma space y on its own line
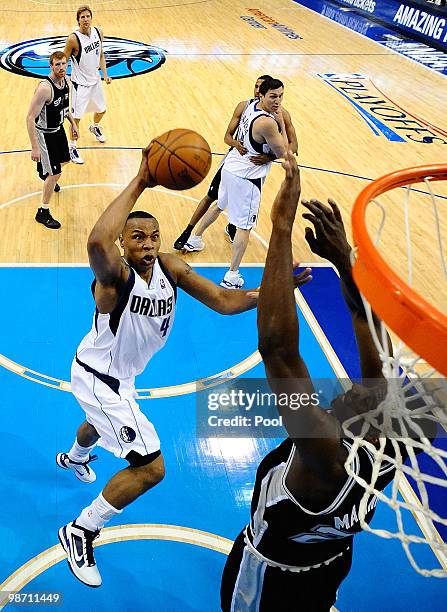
80, 469
194, 243
75, 157
96, 130
78, 544
232, 280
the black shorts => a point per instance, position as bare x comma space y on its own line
263, 588
214, 187
53, 151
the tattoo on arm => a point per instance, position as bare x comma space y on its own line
187, 269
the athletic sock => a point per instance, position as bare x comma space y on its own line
94, 517
72, 144
79, 453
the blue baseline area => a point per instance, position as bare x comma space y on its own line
208, 484
327, 304
64, 296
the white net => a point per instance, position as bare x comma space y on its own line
415, 405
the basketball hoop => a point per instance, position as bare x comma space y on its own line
418, 330
409, 315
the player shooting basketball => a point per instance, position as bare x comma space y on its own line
135, 299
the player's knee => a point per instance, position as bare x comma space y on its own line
156, 473
152, 474
56, 177
150, 468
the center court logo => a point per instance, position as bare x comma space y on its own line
124, 58
380, 113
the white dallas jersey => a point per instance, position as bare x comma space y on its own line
121, 343
238, 164
85, 64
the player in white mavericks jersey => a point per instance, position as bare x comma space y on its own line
183, 241
135, 299
85, 49
261, 131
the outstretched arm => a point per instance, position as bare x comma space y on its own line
224, 301
315, 432
328, 239
104, 255
290, 131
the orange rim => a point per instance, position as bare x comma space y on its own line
419, 324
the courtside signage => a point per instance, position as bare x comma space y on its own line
124, 58
430, 25
421, 22
382, 115
283, 29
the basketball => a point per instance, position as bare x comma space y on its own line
179, 159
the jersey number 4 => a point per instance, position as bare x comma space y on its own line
165, 326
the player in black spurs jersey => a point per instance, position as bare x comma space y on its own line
297, 548
44, 121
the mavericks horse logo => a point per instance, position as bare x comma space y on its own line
124, 58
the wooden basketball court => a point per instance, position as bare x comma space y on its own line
212, 60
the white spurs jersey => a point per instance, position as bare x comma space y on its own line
120, 344
238, 164
85, 64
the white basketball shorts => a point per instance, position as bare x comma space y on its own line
116, 416
85, 99
241, 197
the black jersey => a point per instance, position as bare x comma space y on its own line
53, 113
284, 531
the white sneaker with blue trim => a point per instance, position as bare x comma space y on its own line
81, 469
232, 280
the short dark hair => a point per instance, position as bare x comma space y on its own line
82, 9
265, 77
140, 214
57, 55
272, 84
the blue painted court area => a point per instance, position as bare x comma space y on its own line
208, 484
